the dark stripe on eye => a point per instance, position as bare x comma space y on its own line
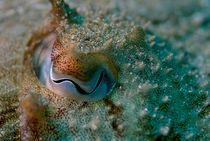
83, 92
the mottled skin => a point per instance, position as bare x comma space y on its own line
162, 74
158, 96
67, 60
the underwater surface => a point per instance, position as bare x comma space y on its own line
161, 50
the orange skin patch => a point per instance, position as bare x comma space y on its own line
80, 65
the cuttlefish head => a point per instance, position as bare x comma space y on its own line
61, 67
71, 73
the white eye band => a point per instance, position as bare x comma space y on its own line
79, 89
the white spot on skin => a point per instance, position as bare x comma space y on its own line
120, 127
164, 130
189, 136
169, 57
143, 112
152, 44
73, 123
141, 65
2, 133
165, 99
155, 68
94, 124
152, 38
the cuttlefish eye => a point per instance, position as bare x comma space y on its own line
66, 72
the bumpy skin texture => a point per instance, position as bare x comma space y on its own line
158, 94
62, 68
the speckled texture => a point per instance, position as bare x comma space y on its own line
163, 86
67, 60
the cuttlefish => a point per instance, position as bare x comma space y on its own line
62, 68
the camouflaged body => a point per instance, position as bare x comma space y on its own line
158, 95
